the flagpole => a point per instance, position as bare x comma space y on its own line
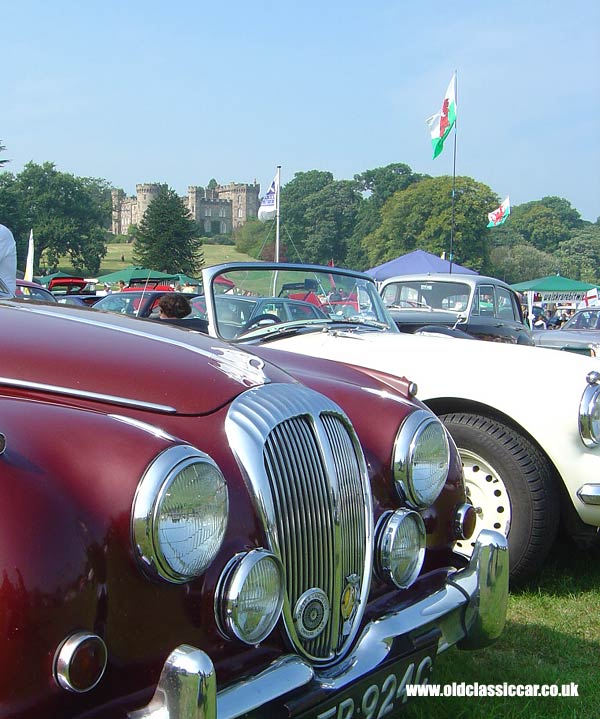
278, 184
453, 174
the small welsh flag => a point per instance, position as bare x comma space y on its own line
498, 217
443, 121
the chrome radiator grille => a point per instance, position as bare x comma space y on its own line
313, 493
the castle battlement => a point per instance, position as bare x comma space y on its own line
217, 211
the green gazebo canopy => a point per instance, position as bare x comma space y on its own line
553, 283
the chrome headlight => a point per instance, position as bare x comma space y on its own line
179, 514
249, 597
421, 458
589, 411
401, 547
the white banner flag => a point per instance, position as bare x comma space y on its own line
268, 206
29, 265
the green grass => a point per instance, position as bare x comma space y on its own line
552, 636
119, 256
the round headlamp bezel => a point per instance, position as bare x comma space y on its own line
405, 446
589, 429
152, 489
230, 588
389, 527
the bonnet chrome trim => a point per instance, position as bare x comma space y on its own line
83, 394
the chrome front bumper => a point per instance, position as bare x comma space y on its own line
589, 493
469, 611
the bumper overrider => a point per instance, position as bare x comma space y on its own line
469, 611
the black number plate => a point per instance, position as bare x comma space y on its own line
379, 694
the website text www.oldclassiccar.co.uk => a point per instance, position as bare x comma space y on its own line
463, 689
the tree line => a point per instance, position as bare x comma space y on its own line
378, 215
388, 211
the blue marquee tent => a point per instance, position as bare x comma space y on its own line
416, 262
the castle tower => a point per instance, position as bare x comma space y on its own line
117, 197
244, 201
194, 198
145, 194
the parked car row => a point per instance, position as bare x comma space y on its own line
293, 516
195, 531
531, 456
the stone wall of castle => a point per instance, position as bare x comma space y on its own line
217, 211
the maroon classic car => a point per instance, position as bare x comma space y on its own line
199, 534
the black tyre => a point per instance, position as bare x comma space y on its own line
513, 486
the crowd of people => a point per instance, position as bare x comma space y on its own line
551, 320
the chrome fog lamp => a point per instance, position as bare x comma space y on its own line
179, 514
401, 547
249, 597
589, 411
421, 459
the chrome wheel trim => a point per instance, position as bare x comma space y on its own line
488, 494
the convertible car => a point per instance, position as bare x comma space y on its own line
530, 449
188, 531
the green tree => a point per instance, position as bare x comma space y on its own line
377, 186
518, 263
257, 239
540, 224
563, 209
167, 238
3, 162
67, 214
579, 257
383, 182
420, 217
11, 208
329, 221
294, 200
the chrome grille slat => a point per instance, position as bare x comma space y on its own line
307, 476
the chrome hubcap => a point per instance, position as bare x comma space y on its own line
488, 494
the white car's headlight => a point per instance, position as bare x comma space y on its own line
401, 542
179, 514
421, 459
249, 597
589, 411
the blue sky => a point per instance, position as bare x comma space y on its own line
182, 92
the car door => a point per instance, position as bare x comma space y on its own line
496, 316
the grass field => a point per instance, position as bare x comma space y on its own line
552, 636
119, 256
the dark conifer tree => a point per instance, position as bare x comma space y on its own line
167, 237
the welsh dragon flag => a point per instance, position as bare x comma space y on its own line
498, 216
443, 121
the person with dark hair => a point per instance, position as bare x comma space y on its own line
175, 309
173, 306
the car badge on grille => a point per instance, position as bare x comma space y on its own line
350, 598
311, 613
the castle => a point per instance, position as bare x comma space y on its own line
218, 211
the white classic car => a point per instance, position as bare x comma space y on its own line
530, 443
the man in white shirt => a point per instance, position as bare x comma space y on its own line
8, 259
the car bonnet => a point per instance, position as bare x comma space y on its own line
77, 352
